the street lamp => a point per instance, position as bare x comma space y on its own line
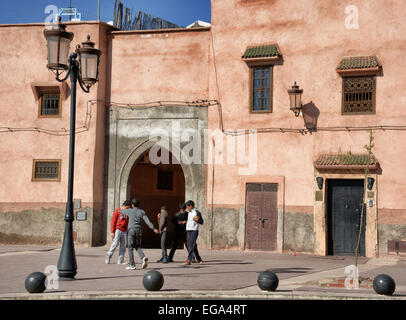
84, 70
295, 96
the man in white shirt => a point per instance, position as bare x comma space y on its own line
192, 228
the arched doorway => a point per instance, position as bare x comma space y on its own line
156, 186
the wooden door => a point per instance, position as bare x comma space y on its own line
345, 197
261, 217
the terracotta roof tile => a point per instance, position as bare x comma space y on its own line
349, 161
358, 63
262, 51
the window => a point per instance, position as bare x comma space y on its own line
359, 84
261, 60
46, 170
261, 98
165, 180
359, 95
50, 105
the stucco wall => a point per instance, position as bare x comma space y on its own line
313, 39
23, 62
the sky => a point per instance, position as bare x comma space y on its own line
180, 12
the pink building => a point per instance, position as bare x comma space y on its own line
264, 178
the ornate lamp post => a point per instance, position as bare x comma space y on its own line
81, 65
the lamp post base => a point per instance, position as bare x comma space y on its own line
67, 260
65, 277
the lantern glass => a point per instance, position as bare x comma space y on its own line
52, 43
89, 64
58, 44
295, 96
64, 46
295, 100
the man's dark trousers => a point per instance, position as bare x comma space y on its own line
192, 237
178, 237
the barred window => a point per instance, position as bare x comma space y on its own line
50, 105
46, 170
261, 89
359, 95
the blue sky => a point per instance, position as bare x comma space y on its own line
181, 12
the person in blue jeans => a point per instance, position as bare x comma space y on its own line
192, 228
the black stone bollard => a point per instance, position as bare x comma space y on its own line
153, 280
35, 282
384, 284
268, 281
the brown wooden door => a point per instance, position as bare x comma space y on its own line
261, 216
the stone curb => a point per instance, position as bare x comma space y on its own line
294, 294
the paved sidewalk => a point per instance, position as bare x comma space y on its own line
223, 275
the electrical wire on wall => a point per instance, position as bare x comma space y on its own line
212, 103
59, 132
198, 103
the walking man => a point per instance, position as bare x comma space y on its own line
192, 227
119, 225
163, 220
136, 215
179, 220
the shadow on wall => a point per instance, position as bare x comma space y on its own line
310, 116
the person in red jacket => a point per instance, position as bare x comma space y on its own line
119, 225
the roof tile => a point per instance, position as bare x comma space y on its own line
347, 160
262, 51
363, 62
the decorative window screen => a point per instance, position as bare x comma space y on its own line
50, 104
359, 95
261, 89
46, 170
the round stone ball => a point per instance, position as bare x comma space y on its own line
35, 282
153, 280
384, 284
268, 281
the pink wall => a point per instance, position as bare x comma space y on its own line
313, 39
159, 65
32, 211
23, 61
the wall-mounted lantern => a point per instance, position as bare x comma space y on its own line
370, 183
295, 97
319, 181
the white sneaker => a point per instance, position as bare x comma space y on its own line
130, 267
144, 262
120, 260
107, 260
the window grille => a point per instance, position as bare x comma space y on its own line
47, 170
359, 95
50, 104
